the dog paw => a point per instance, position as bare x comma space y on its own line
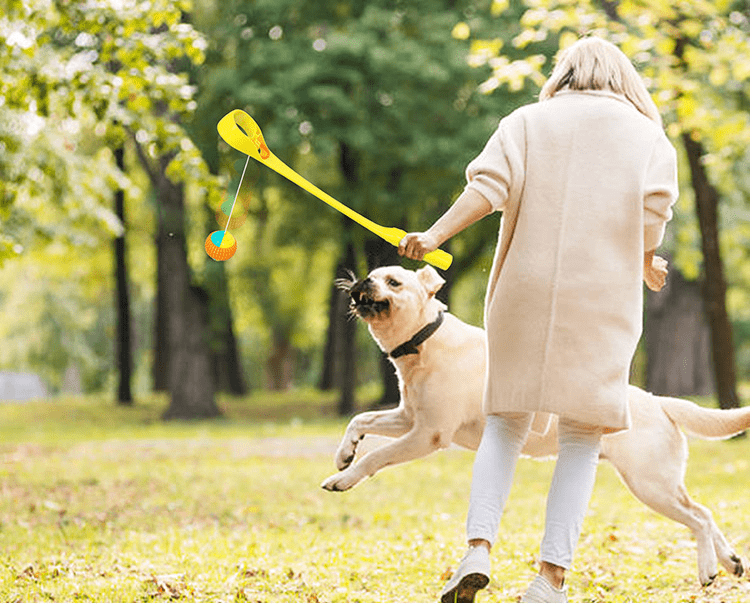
344, 458
346, 453
344, 462
342, 481
708, 581
738, 566
707, 567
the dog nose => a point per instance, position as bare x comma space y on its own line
359, 288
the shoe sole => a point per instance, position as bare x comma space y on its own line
466, 588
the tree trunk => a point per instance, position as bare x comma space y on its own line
190, 372
226, 357
226, 362
381, 253
192, 386
123, 353
677, 340
161, 347
345, 350
279, 365
338, 370
714, 281
329, 365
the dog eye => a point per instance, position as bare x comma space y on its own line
393, 282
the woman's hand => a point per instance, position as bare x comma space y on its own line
417, 245
655, 271
469, 207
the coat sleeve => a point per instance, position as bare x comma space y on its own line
661, 192
497, 173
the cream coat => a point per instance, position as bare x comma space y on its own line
586, 184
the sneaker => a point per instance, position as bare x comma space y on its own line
471, 575
541, 590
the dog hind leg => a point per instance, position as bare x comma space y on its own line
660, 486
700, 520
674, 502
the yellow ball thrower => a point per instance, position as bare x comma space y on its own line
240, 131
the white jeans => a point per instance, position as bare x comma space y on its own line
568, 497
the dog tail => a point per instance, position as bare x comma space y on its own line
704, 422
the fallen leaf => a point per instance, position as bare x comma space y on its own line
255, 572
173, 586
29, 573
447, 574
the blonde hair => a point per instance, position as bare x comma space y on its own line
592, 63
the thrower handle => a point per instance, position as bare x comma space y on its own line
240, 131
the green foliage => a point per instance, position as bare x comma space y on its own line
406, 92
51, 318
386, 83
119, 507
374, 103
75, 75
77, 78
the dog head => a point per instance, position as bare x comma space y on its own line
395, 302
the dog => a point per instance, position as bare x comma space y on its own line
440, 362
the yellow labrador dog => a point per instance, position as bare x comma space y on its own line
441, 363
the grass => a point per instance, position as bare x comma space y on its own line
103, 503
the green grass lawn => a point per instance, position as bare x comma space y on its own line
102, 503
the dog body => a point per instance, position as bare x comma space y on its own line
441, 387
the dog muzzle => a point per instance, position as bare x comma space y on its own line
361, 296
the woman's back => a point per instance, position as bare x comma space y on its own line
568, 293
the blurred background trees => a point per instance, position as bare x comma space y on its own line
111, 172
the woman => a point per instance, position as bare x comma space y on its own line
585, 179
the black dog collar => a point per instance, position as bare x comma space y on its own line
411, 346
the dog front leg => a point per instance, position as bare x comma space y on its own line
416, 443
392, 422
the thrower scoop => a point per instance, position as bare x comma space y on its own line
240, 131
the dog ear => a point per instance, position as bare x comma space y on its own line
430, 279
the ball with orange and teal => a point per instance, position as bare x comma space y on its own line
220, 245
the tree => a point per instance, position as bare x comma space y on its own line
189, 368
381, 253
117, 70
714, 286
381, 93
677, 339
123, 352
225, 350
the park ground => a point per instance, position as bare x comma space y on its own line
110, 504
